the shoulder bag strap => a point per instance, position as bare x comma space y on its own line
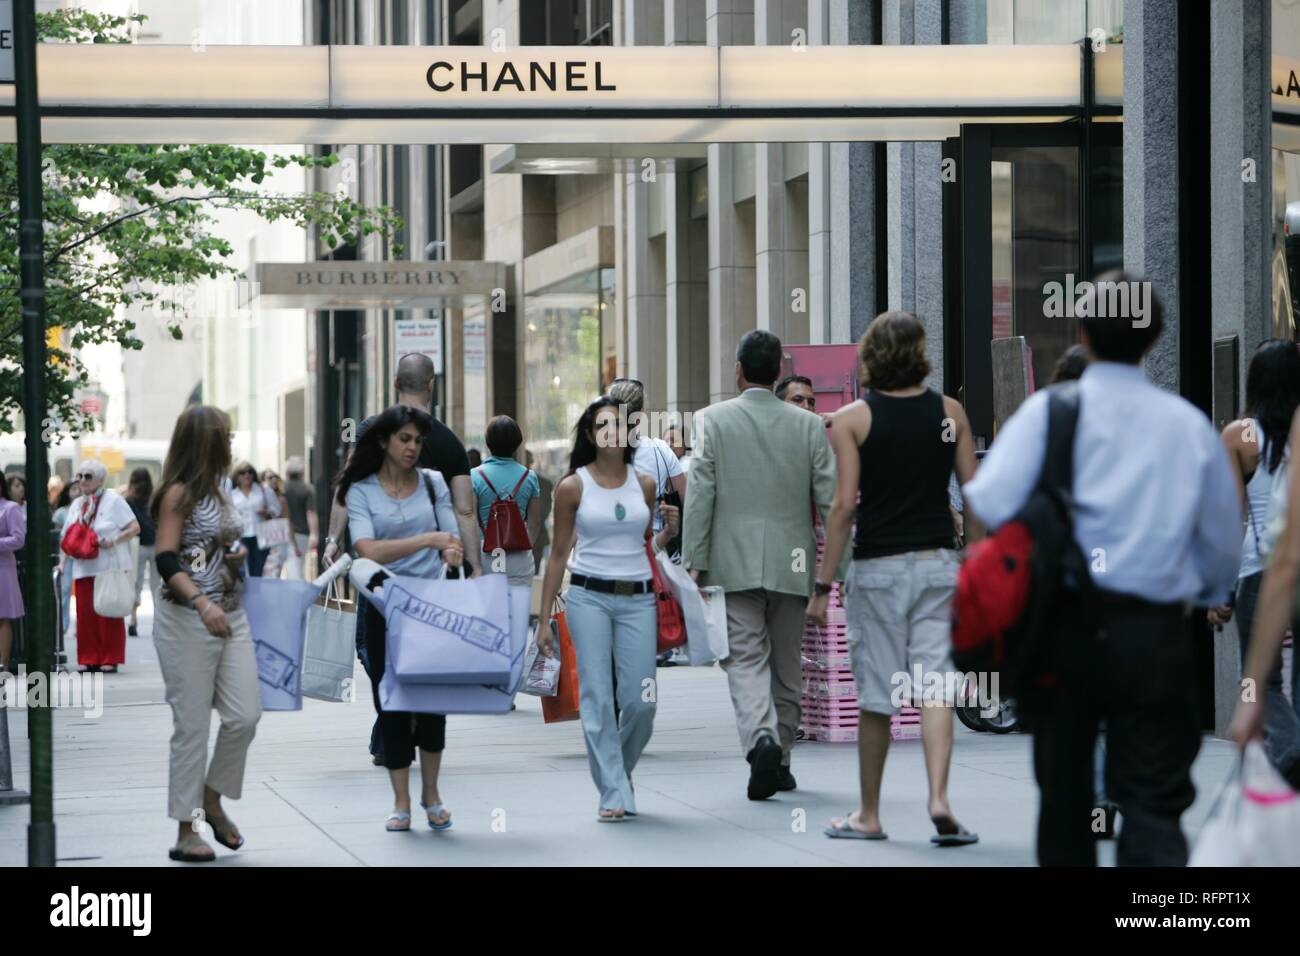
433, 497
88, 513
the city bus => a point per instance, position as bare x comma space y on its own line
120, 456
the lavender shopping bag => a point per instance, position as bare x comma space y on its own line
396, 695
277, 618
449, 632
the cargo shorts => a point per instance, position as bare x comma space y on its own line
900, 647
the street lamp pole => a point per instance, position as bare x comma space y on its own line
31, 245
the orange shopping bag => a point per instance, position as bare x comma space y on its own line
564, 705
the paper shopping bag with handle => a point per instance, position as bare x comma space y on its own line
564, 705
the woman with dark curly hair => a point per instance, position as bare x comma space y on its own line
401, 516
895, 449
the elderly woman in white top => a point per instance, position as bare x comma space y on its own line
101, 641
255, 503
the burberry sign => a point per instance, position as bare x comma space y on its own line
391, 284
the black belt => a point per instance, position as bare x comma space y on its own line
606, 586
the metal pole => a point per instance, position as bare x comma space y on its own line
31, 244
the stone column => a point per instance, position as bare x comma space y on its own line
731, 228
852, 196
643, 265
915, 200
1241, 226
686, 261
1151, 229
780, 207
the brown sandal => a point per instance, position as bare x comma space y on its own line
189, 849
222, 828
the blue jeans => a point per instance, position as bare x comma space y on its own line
256, 557
614, 636
1282, 723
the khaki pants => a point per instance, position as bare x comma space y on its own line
202, 672
764, 631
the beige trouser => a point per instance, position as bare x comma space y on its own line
764, 631
202, 672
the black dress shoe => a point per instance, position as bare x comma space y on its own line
765, 768
785, 780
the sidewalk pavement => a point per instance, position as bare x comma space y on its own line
520, 791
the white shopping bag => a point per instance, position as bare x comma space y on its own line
1255, 821
705, 614
715, 613
330, 650
272, 532
541, 673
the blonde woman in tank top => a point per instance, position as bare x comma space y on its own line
603, 517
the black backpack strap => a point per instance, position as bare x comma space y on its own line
1058, 456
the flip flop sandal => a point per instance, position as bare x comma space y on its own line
399, 821
437, 810
844, 830
222, 827
184, 850
611, 819
951, 833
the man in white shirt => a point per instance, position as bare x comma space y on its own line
1158, 518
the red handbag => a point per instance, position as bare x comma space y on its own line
505, 527
672, 624
81, 542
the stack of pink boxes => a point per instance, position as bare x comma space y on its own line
830, 701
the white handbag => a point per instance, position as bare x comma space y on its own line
330, 649
115, 589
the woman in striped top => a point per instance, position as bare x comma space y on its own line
202, 636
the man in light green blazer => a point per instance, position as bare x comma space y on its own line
758, 467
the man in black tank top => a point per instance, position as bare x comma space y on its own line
896, 451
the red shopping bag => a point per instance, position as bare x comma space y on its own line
672, 623
564, 705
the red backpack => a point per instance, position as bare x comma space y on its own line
505, 528
1013, 587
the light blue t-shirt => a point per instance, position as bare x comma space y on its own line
504, 473
376, 515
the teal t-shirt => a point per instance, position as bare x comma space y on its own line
504, 473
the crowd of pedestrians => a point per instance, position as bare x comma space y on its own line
1180, 526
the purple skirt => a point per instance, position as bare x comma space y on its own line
11, 596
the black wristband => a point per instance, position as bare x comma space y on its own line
169, 565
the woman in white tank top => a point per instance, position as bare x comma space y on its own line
1257, 446
602, 523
